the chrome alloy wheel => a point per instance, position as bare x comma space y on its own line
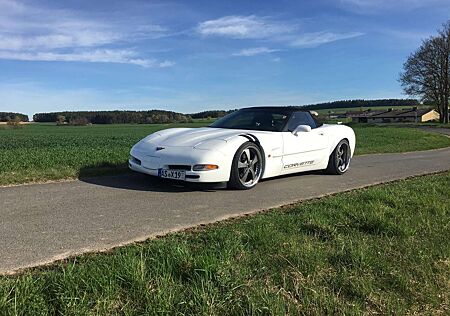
249, 167
343, 157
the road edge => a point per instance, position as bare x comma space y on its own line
68, 256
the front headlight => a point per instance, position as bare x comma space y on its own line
205, 167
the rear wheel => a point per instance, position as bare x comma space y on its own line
246, 168
339, 160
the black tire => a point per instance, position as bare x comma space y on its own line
339, 160
246, 171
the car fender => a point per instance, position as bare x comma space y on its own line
338, 133
271, 149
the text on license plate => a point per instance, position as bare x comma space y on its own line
172, 174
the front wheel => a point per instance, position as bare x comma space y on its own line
339, 160
246, 168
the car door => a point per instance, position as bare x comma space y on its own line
305, 150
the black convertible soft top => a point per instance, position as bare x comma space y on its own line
266, 118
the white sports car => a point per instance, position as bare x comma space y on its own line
246, 146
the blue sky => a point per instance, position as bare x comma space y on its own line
193, 55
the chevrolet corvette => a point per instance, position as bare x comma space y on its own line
245, 146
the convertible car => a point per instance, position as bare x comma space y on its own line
245, 146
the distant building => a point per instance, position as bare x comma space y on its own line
394, 116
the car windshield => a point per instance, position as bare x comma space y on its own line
254, 119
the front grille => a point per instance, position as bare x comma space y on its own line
180, 167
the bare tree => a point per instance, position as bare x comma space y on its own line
444, 34
426, 71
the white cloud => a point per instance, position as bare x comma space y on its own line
26, 27
264, 28
306, 40
320, 38
98, 55
34, 33
11, 6
166, 63
255, 51
243, 27
80, 38
150, 31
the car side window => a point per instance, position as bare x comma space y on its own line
300, 118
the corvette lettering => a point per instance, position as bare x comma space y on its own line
298, 164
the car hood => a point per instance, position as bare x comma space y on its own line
192, 137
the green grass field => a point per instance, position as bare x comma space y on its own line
49, 152
39, 152
380, 250
386, 139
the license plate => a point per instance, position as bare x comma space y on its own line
172, 174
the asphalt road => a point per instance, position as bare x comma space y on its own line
45, 222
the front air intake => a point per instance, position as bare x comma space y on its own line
180, 167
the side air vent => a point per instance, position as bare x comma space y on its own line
135, 160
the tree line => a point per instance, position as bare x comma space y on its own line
325, 105
112, 117
163, 116
10, 117
210, 114
426, 72
361, 103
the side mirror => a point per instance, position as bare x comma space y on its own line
301, 128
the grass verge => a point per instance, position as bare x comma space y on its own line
382, 249
384, 139
41, 152
438, 125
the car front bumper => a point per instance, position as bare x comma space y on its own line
169, 158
